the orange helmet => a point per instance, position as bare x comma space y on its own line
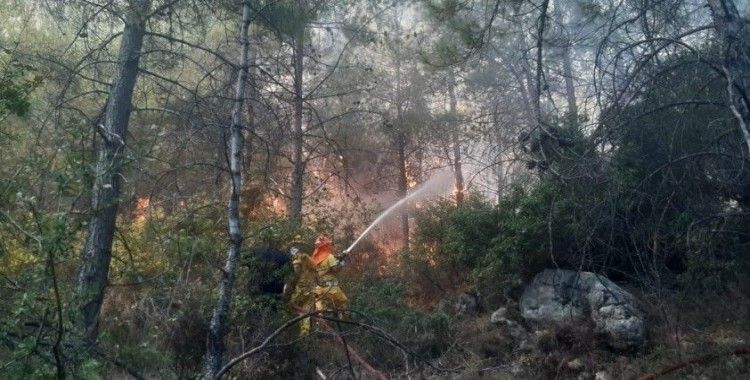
322, 241
322, 249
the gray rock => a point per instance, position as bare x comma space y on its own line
575, 364
564, 296
514, 329
524, 340
498, 315
603, 375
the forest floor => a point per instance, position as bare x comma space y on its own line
707, 343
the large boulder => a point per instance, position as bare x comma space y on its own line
563, 297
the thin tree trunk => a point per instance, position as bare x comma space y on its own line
565, 49
524, 77
570, 90
419, 159
500, 178
298, 172
403, 186
97, 253
403, 180
537, 98
251, 95
218, 325
524, 87
457, 171
734, 34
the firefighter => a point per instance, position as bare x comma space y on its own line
328, 294
302, 286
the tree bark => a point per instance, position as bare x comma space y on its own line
220, 316
570, 90
524, 77
734, 34
537, 96
97, 253
401, 143
457, 171
499, 174
403, 185
568, 75
298, 171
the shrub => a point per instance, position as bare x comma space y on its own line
382, 303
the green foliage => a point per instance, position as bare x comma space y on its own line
35, 245
289, 17
382, 301
460, 34
16, 85
456, 237
669, 198
537, 229
277, 232
492, 245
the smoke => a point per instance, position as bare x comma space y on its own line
438, 184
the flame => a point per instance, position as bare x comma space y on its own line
278, 205
142, 205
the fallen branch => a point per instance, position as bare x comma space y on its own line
264, 344
350, 351
319, 314
699, 360
380, 333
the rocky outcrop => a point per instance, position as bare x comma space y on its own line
521, 337
564, 297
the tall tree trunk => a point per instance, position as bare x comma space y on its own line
523, 76
403, 186
97, 254
734, 33
570, 90
219, 318
537, 99
565, 49
525, 89
251, 94
499, 175
401, 143
537, 96
455, 141
298, 172
419, 162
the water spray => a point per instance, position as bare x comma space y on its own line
434, 186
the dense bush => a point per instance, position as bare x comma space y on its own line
382, 302
660, 193
492, 245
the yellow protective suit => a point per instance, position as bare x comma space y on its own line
328, 294
302, 298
